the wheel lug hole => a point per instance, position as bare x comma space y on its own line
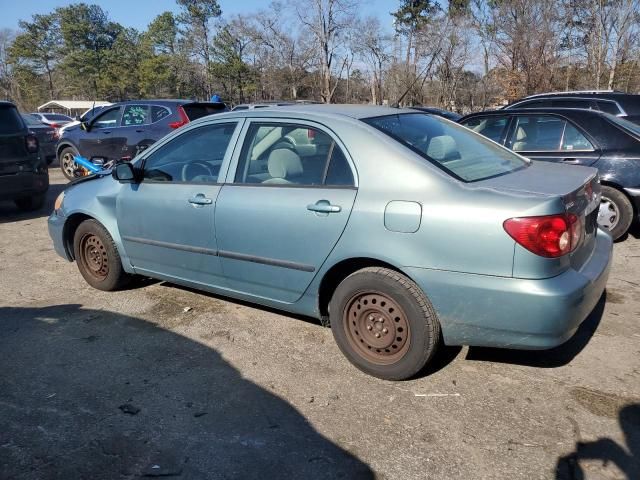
377, 335
369, 327
384, 330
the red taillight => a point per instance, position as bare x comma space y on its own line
548, 236
54, 125
31, 143
183, 119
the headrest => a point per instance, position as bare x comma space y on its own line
521, 134
443, 148
284, 163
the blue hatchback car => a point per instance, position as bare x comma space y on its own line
404, 230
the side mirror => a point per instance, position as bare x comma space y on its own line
85, 126
124, 173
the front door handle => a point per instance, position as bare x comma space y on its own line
570, 160
200, 199
323, 206
106, 131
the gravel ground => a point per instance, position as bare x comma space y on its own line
160, 380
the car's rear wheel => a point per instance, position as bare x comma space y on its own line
29, 204
98, 258
616, 212
384, 323
67, 162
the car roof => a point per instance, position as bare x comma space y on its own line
357, 112
529, 111
4, 103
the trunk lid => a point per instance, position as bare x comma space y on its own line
577, 187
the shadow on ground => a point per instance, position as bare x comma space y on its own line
95, 394
10, 213
553, 358
625, 458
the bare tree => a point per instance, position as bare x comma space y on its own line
327, 21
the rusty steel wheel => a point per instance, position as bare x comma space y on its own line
97, 257
93, 256
384, 323
377, 328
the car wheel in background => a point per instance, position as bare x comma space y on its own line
67, 163
616, 212
383, 323
98, 258
30, 203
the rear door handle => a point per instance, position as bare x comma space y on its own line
323, 206
200, 199
570, 160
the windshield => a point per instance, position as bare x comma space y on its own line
10, 120
630, 127
32, 121
459, 152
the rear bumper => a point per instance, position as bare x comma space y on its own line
24, 184
490, 311
634, 194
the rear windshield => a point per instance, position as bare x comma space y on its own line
32, 121
10, 120
630, 127
463, 154
198, 110
57, 116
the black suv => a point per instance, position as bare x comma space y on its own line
122, 130
23, 171
576, 137
620, 104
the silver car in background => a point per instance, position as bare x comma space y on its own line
402, 229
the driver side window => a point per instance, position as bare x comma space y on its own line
108, 119
193, 157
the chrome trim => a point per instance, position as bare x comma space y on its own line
175, 246
267, 261
224, 254
634, 192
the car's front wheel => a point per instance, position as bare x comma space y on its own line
616, 212
98, 258
384, 323
67, 162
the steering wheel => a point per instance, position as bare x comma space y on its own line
193, 169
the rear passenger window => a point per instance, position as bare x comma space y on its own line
574, 140
339, 171
286, 154
537, 133
10, 120
135, 115
491, 126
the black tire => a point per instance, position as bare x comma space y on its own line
365, 304
98, 258
616, 212
67, 165
30, 204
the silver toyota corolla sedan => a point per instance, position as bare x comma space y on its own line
403, 229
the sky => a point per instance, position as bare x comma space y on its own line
139, 13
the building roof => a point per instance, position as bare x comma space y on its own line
72, 104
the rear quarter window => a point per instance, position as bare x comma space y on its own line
10, 120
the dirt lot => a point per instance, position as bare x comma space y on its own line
160, 380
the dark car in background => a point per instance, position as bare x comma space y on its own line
46, 134
122, 130
453, 116
620, 104
56, 120
24, 178
576, 137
